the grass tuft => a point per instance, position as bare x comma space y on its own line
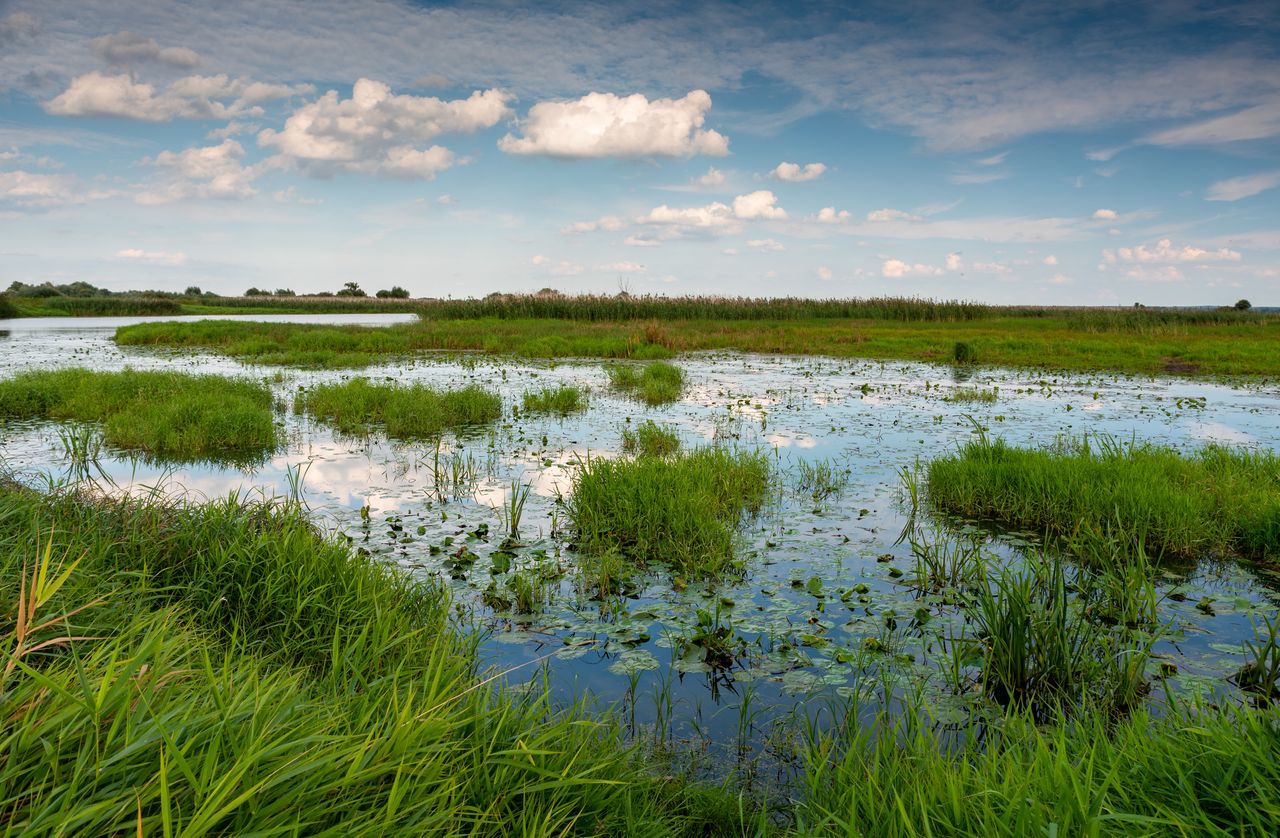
162, 414
656, 383
649, 439
562, 400
413, 412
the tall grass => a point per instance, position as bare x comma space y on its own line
164, 414
412, 412
625, 308
1190, 773
112, 306
649, 439
222, 669
562, 400
7, 308
655, 383
1218, 499
680, 511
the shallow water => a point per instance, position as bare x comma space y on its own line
802, 644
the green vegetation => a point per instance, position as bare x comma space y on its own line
973, 394
111, 306
1208, 773
1219, 499
649, 439
1153, 341
655, 383
562, 400
413, 412
221, 669
680, 511
163, 414
7, 308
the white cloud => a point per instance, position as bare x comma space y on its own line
33, 189
828, 215
192, 97
606, 125
445, 200
1233, 189
993, 160
155, 257
129, 48
641, 241
824, 272
795, 173
766, 245
996, 268
1164, 251
1255, 123
713, 178
891, 215
376, 132
954, 262
203, 172
623, 267
897, 268
1059, 279
1050, 259
608, 223
758, 204
1105, 215
1148, 273
977, 178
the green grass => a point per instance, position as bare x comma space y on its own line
1193, 343
7, 308
162, 414
1209, 773
681, 511
654, 383
649, 439
222, 669
973, 394
562, 400
412, 412
1216, 500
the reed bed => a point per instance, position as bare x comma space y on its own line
1216, 500
222, 669
168, 415
412, 412
121, 306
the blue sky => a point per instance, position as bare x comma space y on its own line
1087, 153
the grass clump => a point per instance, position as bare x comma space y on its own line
649, 439
973, 394
562, 400
413, 412
680, 511
7, 309
162, 414
654, 384
1218, 499
1210, 773
222, 669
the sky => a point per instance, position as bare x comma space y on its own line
1091, 153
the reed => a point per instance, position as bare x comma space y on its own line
412, 412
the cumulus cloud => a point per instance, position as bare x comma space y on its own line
716, 217
203, 172
828, 215
954, 262
759, 204
887, 214
1152, 273
154, 257
895, 268
766, 245
192, 97
1051, 259
557, 268
1105, 215
607, 223
377, 132
34, 189
129, 48
713, 178
1164, 251
607, 125
795, 173
1233, 189
824, 272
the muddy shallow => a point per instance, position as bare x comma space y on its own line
802, 644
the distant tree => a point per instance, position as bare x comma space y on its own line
394, 293
285, 292
193, 291
352, 289
323, 294
548, 292
1243, 305
257, 292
